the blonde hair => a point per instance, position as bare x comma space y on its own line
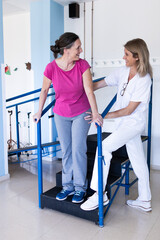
139, 49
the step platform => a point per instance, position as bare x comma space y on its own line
48, 200
92, 145
120, 158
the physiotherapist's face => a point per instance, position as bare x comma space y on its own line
129, 59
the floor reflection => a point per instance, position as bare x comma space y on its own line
50, 166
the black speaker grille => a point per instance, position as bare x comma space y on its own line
74, 10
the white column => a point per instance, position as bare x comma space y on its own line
3, 139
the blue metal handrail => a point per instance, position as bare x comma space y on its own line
109, 106
39, 144
48, 107
100, 167
25, 94
39, 150
98, 79
30, 100
23, 102
149, 130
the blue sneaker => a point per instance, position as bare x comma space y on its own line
78, 197
63, 194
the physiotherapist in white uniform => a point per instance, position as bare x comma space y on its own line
134, 83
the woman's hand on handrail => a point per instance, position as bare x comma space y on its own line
96, 118
36, 117
43, 95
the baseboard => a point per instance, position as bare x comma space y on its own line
5, 177
155, 167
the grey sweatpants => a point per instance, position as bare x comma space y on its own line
72, 133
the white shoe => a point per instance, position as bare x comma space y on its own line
143, 205
92, 202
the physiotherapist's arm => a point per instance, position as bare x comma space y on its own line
99, 84
88, 87
124, 111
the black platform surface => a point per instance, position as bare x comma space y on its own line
48, 200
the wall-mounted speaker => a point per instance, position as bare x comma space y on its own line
74, 10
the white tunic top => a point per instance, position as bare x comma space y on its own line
137, 90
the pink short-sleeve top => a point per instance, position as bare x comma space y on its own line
71, 99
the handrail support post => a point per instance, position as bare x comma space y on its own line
39, 149
100, 176
17, 126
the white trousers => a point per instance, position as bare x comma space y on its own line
132, 138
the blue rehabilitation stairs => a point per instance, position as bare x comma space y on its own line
119, 168
118, 162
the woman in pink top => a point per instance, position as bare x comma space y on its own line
72, 82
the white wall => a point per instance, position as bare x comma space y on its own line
116, 22
17, 52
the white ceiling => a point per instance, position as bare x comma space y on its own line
21, 6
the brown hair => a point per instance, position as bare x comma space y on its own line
66, 40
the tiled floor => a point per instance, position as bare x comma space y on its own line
21, 219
